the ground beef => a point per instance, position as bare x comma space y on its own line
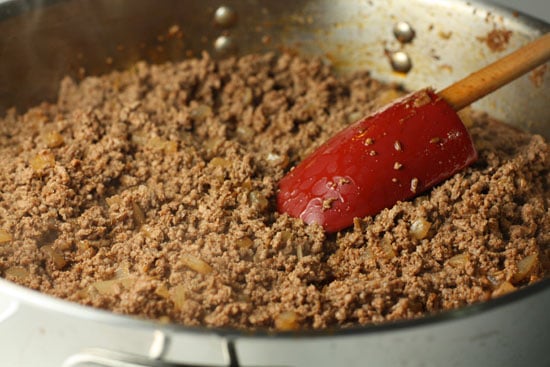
151, 192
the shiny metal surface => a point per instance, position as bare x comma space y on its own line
225, 16
44, 331
45, 40
82, 37
403, 31
400, 61
510, 331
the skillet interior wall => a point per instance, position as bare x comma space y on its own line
37, 50
43, 40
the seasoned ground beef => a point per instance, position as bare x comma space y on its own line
151, 192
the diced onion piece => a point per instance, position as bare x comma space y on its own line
387, 248
149, 232
200, 112
287, 321
127, 282
459, 260
354, 116
247, 185
256, 198
139, 215
503, 288
196, 264
247, 96
5, 236
53, 139
369, 254
156, 143
299, 251
113, 200
420, 229
278, 160
139, 137
170, 147
178, 296
242, 297
109, 287
55, 256
525, 267
220, 162
212, 143
245, 242
42, 161
167, 146
123, 271
286, 235
86, 246
17, 272
245, 133
162, 291
65, 245
105, 287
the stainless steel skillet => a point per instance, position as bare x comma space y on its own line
44, 40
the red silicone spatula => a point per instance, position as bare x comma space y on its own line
399, 151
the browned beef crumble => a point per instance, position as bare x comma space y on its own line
151, 192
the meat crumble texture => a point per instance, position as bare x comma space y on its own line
151, 192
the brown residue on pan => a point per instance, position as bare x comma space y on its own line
446, 67
497, 39
537, 75
445, 35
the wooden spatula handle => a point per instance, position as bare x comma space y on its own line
495, 75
